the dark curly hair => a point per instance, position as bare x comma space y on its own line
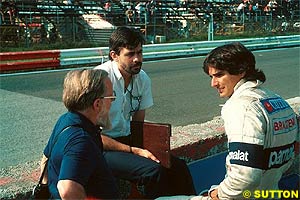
124, 37
234, 58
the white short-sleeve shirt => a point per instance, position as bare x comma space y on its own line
137, 96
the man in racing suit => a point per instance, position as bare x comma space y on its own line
261, 127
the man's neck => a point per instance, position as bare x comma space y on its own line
127, 80
90, 115
126, 76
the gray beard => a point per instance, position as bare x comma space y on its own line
104, 122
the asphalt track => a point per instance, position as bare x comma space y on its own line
31, 102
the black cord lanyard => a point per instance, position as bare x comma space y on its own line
138, 98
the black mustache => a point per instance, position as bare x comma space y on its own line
138, 64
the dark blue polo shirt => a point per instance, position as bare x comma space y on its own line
77, 155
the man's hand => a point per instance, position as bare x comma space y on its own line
214, 194
113, 145
144, 153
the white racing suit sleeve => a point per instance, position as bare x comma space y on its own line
244, 162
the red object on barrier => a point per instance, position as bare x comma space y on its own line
13, 61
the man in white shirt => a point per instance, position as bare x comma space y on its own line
132, 87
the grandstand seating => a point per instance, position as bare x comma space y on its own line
66, 16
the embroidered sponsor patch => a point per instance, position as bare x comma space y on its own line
278, 156
253, 155
245, 154
274, 105
284, 124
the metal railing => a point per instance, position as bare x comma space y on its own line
173, 50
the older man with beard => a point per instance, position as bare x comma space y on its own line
76, 168
132, 86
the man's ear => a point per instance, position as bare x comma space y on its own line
98, 104
243, 74
114, 55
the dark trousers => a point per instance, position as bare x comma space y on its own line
179, 178
152, 179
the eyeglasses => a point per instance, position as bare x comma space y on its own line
113, 97
109, 97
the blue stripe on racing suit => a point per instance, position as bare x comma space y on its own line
253, 155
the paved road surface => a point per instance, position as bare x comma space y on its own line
31, 103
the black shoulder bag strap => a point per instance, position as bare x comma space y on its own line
55, 140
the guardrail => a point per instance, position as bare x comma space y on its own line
202, 48
12, 61
94, 56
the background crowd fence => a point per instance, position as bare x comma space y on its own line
49, 22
